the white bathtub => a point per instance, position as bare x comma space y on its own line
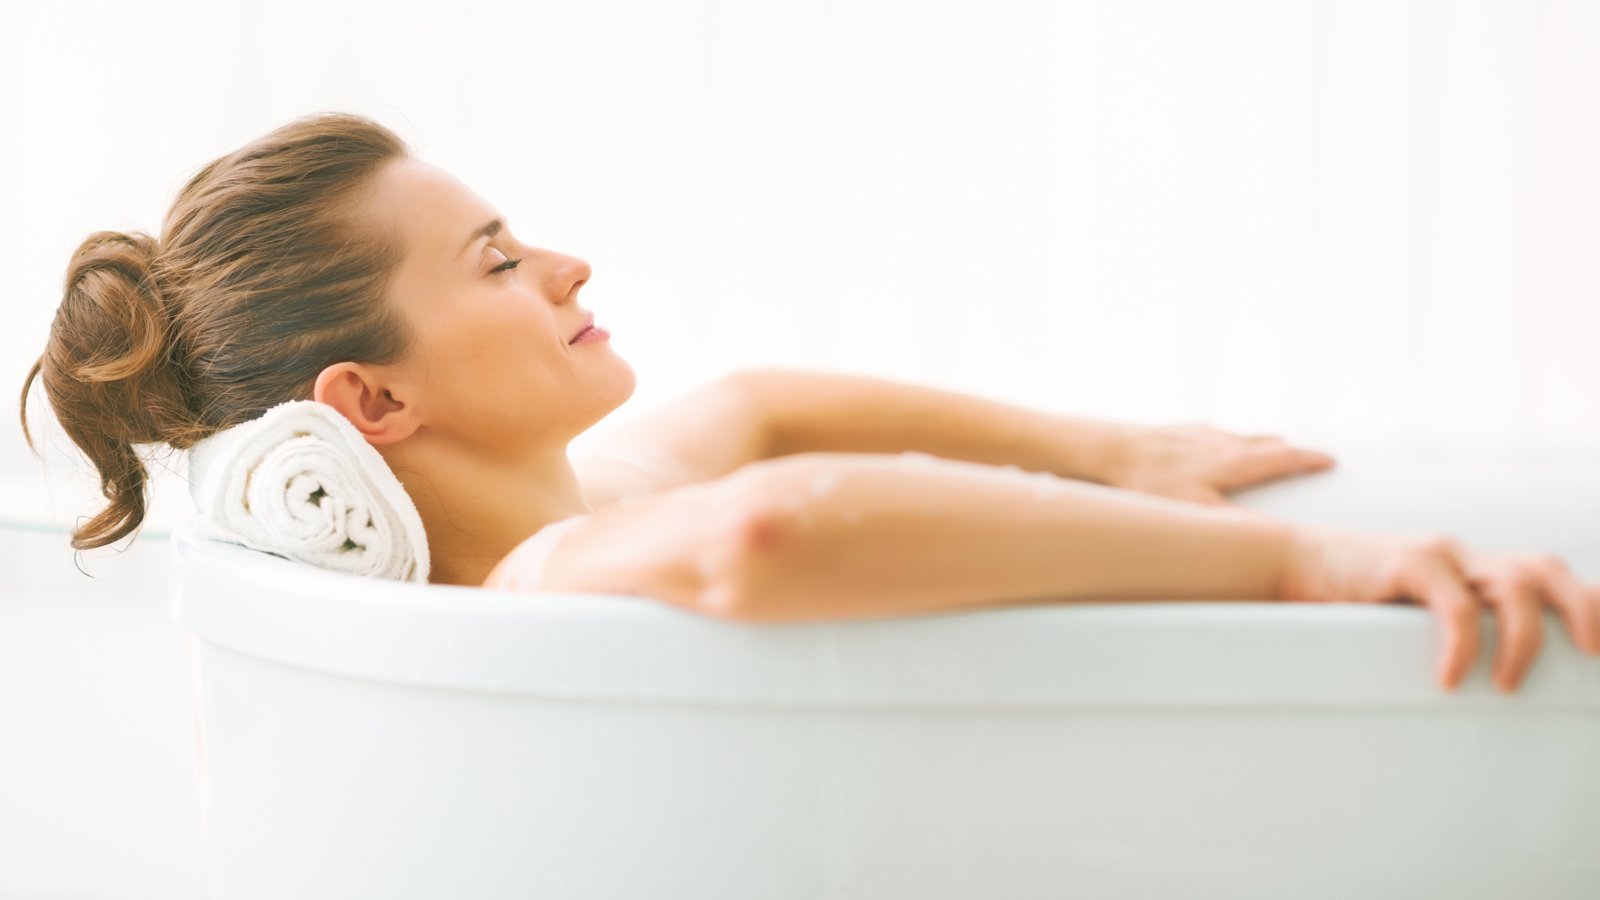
366, 739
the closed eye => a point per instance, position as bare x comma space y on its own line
506, 266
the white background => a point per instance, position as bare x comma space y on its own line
1371, 226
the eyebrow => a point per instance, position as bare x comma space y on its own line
489, 230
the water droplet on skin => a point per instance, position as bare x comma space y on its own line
822, 483
1045, 484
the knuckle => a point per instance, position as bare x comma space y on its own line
1418, 558
1545, 566
1438, 546
1510, 575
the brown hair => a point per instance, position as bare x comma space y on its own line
264, 275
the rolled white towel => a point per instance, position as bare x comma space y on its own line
303, 483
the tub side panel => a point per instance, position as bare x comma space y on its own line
323, 786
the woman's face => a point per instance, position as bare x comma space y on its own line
492, 361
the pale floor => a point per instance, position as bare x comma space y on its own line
99, 796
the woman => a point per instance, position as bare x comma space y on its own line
323, 261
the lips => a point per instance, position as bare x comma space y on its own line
588, 325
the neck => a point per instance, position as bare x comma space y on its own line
476, 510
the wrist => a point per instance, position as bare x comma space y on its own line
1303, 554
1108, 451
1263, 562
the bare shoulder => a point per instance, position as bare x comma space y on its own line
610, 478
656, 545
700, 436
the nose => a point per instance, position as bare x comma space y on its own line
563, 275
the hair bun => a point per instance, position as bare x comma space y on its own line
112, 338
108, 372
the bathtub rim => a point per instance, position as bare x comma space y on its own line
614, 648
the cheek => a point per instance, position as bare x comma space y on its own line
495, 353
491, 332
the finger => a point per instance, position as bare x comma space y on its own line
1274, 460
1441, 587
1577, 604
1518, 604
1310, 458
1316, 460
1304, 460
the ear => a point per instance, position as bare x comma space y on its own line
364, 397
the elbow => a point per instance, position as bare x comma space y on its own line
736, 571
744, 560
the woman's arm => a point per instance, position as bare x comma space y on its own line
811, 412
843, 536
821, 536
763, 414
824, 536
817, 412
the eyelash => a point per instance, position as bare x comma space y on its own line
506, 266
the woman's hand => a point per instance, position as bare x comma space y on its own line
1457, 585
1200, 463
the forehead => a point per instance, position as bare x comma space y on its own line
427, 208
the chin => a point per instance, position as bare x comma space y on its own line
620, 383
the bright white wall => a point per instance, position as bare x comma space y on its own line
1368, 224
